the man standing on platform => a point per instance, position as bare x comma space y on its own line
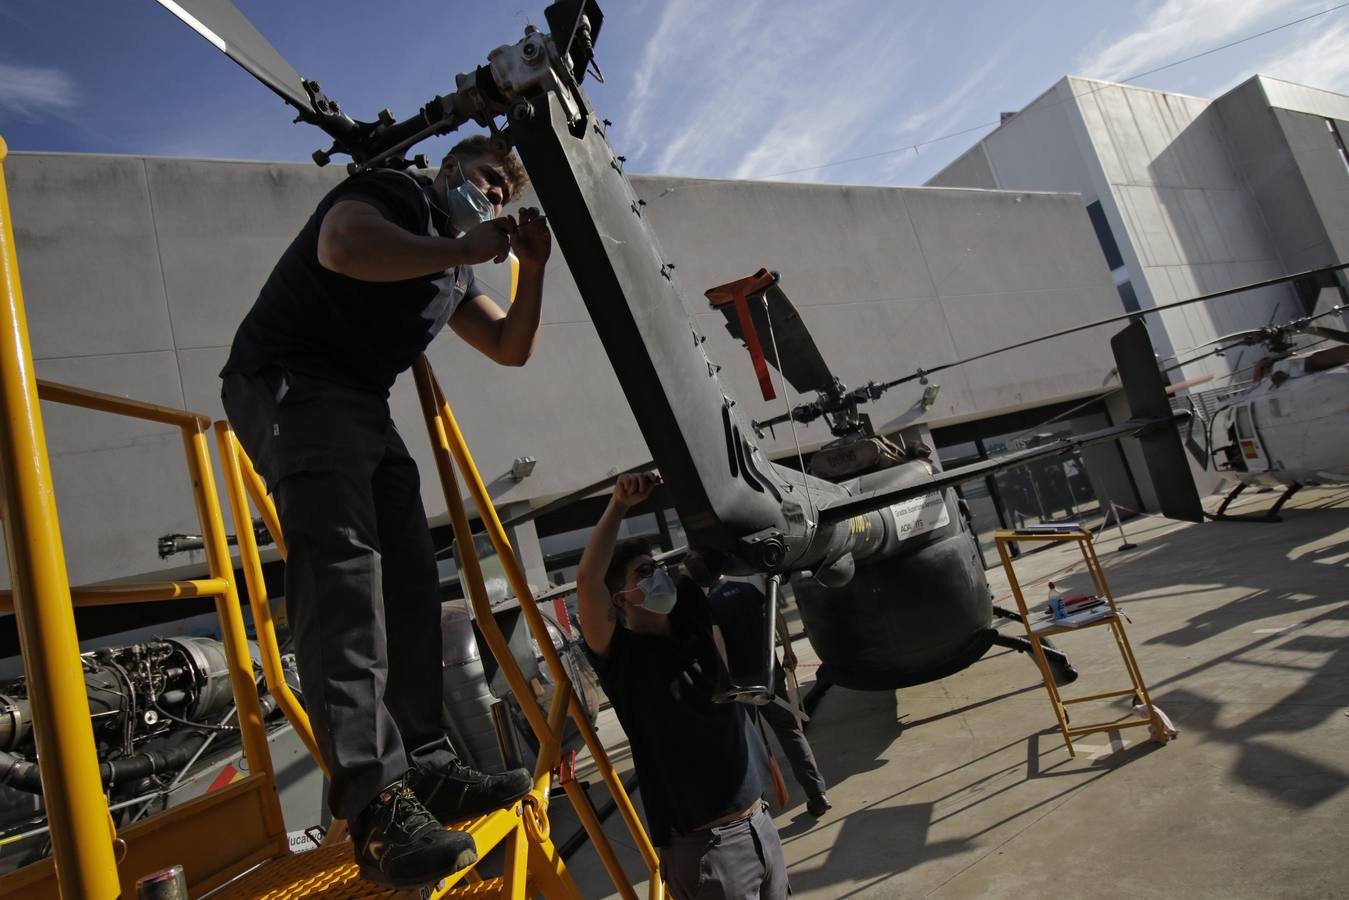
383, 264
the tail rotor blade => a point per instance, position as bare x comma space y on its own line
774, 321
800, 363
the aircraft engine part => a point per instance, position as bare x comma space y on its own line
211, 677
136, 693
23, 775
16, 721
468, 700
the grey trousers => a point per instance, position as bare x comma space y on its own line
793, 740
740, 861
361, 585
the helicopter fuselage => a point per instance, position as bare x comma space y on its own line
917, 609
1292, 427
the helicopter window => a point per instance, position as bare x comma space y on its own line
1244, 428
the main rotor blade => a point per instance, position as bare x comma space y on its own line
221, 23
865, 503
1236, 338
1126, 317
1332, 334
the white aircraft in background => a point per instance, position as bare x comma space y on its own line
1290, 428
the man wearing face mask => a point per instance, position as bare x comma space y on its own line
701, 765
384, 263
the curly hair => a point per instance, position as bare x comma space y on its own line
479, 146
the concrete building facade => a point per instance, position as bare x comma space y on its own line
137, 271
1190, 196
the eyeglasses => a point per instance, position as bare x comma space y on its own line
647, 569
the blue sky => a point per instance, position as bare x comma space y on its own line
739, 89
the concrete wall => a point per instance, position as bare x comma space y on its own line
1261, 147
1173, 193
971, 169
1189, 215
137, 271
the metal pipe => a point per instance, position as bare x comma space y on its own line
768, 649
81, 835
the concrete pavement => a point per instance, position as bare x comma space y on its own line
962, 788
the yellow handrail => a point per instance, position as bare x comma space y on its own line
235, 462
450, 449
67, 761
84, 398
145, 592
43, 603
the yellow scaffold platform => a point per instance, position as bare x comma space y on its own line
232, 843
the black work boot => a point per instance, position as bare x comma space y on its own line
456, 792
399, 845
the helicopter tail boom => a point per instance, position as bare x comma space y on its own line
1153, 423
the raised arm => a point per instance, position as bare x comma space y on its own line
596, 606
508, 337
357, 241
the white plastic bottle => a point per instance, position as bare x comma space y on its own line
1055, 602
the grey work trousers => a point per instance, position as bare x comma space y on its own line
361, 585
739, 861
793, 739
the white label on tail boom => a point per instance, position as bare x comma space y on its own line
920, 514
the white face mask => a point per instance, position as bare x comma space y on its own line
468, 207
659, 590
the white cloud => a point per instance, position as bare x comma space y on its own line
657, 57
1321, 62
1178, 28
30, 91
754, 88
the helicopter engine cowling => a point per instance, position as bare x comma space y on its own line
918, 607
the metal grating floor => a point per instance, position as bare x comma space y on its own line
329, 873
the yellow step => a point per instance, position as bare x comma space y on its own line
329, 873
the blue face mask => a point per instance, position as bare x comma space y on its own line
468, 207
659, 590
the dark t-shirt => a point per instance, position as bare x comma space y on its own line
313, 320
738, 608
696, 760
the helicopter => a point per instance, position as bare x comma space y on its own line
882, 553
1290, 426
